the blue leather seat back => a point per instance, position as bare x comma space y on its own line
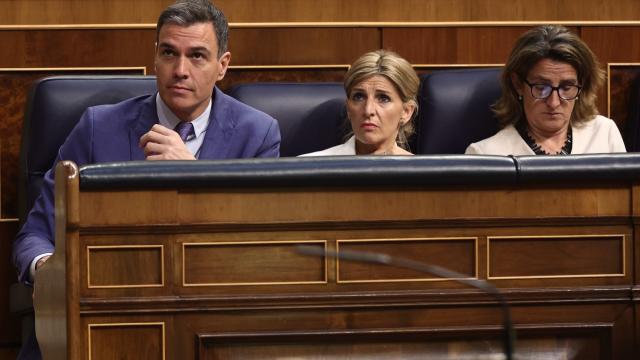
311, 115
455, 109
53, 108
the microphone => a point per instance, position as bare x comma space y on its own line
383, 259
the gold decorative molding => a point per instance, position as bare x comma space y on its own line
471, 238
241, 243
127, 324
290, 67
328, 24
551, 237
346, 66
143, 69
117, 247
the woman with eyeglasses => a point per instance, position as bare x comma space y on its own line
547, 107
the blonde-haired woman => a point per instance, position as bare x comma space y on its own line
381, 104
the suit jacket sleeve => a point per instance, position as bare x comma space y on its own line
271, 144
37, 234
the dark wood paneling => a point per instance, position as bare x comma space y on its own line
613, 43
236, 76
249, 263
621, 80
452, 45
99, 11
556, 256
77, 48
301, 46
459, 255
127, 340
10, 328
582, 343
126, 265
13, 95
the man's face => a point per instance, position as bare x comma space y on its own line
187, 67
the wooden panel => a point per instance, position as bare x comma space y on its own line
10, 329
97, 11
301, 46
459, 255
616, 44
583, 343
390, 205
250, 263
115, 207
452, 45
240, 75
77, 48
127, 340
622, 78
556, 256
125, 266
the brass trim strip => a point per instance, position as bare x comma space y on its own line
103, 247
609, 66
289, 67
323, 242
329, 24
145, 324
550, 237
338, 241
143, 69
346, 66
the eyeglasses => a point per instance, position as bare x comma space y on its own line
543, 91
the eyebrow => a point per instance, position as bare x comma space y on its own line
203, 49
542, 78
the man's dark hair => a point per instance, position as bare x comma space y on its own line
189, 12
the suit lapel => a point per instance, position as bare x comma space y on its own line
147, 117
219, 133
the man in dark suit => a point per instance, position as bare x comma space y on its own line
188, 119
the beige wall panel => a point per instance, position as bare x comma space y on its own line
146, 11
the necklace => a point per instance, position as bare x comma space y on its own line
537, 149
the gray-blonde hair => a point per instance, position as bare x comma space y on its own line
556, 43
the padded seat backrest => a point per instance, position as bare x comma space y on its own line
53, 108
311, 115
455, 109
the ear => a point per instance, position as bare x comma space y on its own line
224, 61
516, 83
407, 111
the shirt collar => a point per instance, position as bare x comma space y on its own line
169, 120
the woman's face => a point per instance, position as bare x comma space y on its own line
552, 115
376, 112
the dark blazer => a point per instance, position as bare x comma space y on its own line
109, 133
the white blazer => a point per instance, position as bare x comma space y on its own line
600, 135
348, 148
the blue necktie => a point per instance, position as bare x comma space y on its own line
185, 130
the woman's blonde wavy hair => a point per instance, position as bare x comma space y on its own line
557, 43
397, 70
